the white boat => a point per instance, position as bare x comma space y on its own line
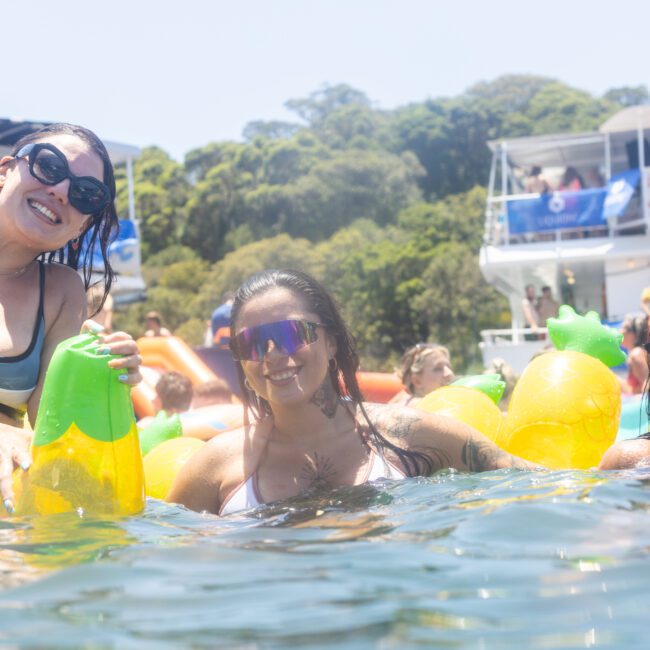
124, 252
590, 245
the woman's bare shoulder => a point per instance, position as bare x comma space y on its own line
222, 464
627, 454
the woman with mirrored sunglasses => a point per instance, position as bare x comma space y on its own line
57, 188
309, 427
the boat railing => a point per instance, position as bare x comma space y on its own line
499, 232
513, 336
514, 346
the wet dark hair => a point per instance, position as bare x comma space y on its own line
101, 226
343, 374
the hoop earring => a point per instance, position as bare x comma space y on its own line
333, 367
248, 386
74, 243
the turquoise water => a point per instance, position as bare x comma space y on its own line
500, 560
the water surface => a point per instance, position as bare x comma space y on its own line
500, 560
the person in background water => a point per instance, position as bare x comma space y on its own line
547, 306
499, 366
630, 454
312, 430
635, 336
423, 368
56, 188
214, 391
220, 321
100, 313
173, 397
153, 323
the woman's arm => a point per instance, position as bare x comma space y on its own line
448, 443
198, 484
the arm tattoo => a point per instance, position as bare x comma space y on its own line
326, 398
480, 456
396, 423
319, 472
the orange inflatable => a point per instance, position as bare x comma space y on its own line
172, 353
165, 353
208, 421
378, 387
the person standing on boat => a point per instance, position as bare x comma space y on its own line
531, 315
536, 182
312, 429
56, 189
547, 306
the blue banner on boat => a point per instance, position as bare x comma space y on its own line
557, 211
620, 190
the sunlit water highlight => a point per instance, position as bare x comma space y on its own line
500, 560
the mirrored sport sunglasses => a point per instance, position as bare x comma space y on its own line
288, 336
49, 166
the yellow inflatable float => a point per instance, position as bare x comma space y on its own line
86, 455
564, 411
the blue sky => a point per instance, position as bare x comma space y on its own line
182, 74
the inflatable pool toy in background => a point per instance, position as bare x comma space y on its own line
86, 454
489, 384
206, 422
162, 427
634, 417
564, 411
378, 387
468, 405
165, 353
586, 334
163, 462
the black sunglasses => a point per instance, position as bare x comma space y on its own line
49, 166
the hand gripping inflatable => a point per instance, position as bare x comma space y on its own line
85, 448
164, 461
468, 405
565, 408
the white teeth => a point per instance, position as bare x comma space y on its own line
279, 376
46, 212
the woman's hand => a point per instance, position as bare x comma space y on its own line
122, 344
14, 452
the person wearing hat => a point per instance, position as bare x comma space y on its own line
153, 323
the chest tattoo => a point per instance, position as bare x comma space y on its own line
318, 472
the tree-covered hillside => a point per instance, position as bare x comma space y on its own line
385, 207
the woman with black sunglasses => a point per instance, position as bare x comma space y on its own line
311, 428
57, 188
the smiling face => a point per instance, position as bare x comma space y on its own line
282, 379
436, 372
41, 215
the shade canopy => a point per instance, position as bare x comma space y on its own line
11, 130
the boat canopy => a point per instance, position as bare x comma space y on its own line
11, 130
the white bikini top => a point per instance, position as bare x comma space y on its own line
246, 495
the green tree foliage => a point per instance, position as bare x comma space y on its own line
385, 207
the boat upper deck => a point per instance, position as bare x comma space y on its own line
557, 188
